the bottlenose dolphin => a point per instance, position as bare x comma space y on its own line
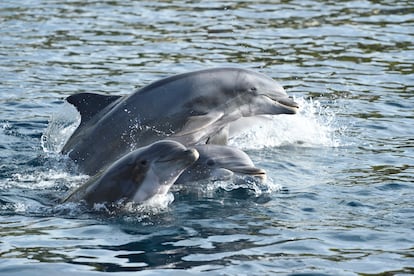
191, 108
137, 176
218, 162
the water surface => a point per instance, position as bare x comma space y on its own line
339, 198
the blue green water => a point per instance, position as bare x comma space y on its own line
339, 194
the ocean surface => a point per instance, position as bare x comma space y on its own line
339, 198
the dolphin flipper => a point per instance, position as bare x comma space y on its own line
197, 123
89, 104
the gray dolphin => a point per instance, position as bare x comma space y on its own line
218, 162
192, 108
137, 176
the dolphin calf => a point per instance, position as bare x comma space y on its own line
137, 176
218, 162
191, 108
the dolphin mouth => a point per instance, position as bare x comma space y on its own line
290, 106
252, 171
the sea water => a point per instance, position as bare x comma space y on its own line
338, 199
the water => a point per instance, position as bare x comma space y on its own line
339, 198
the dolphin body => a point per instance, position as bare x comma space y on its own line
219, 163
191, 108
137, 176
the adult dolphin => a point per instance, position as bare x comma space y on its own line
219, 162
137, 176
191, 108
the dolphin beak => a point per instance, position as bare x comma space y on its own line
189, 156
252, 171
290, 105
193, 155
272, 104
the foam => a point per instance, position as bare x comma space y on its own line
61, 126
312, 126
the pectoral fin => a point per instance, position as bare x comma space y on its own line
198, 123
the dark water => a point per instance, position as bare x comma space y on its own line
339, 199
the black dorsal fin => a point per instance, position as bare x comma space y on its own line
89, 104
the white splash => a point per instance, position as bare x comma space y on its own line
156, 204
257, 187
312, 126
61, 125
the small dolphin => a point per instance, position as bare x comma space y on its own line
137, 176
191, 108
218, 162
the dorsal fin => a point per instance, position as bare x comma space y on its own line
89, 104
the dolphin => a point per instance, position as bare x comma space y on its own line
191, 108
219, 162
137, 176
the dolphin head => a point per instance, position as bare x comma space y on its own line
218, 162
158, 166
234, 91
262, 95
138, 175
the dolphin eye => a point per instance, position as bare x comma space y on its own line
253, 89
210, 162
143, 163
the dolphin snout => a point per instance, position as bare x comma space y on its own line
190, 155
289, 104
252, 171
193, 153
